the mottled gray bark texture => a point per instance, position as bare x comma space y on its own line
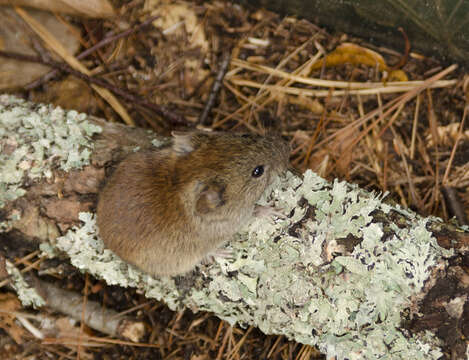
344, 271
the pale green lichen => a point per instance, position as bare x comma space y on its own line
303, 283
27, 294
34, 139
358, 311
158, 142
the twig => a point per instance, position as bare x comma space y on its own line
50, 75
90, 312
366, 90
83, 312
346, 85
215, 88
403, 60
175, 119
112, 38
9, 278
453, 203
455, 146
30, 327
63, 340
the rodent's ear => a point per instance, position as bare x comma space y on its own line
182, 142
210, 197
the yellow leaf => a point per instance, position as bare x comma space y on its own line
348, 53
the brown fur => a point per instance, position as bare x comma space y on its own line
165, 210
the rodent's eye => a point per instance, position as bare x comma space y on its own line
258, 171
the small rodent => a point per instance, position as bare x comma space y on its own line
167, 209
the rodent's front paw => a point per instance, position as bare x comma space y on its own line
268, 211
220, 253
224, 253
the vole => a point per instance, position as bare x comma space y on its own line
167, 209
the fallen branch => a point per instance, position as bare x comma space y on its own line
215, 88
95, 315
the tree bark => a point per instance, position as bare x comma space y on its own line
345, 271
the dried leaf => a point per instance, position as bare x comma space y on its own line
13, 37
90, 8
348, 53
